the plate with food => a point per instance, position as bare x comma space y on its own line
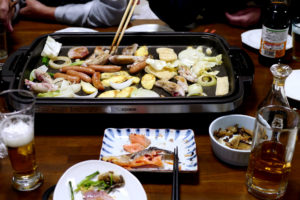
149, 150
95, 179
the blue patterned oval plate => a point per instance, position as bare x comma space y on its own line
168, 139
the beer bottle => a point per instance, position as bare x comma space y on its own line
274, 33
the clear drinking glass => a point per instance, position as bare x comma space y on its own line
273, 145
17, 131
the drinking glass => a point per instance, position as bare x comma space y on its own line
273, 145
17, 131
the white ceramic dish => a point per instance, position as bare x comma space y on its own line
168, 139
132, 189
292, 84
231, 156
75, 29
149, 28
252, 38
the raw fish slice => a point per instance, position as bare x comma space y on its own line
140, 139
96, 195
133, 148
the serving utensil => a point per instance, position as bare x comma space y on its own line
175, 185
123, 25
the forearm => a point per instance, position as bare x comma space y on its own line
95, 13
47, 13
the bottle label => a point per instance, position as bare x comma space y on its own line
273, 42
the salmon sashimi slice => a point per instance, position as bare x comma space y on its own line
138, 143
140, 139
132, 148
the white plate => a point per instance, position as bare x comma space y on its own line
76, 29
168, 139
131, 190
149, 28
292, 84
252, 38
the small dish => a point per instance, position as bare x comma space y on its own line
132, 189
149, 28
75, 29
231, 156
168, 139
252, 38
292, 84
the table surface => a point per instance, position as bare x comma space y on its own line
64, 140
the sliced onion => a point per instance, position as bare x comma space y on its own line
32, 75
143, 93
58, 80
66, 61
76, 87
207, 80
120, 86
195, 90
42, 68
67, 92
87, 96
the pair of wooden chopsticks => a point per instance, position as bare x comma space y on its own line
123, 25
175, 186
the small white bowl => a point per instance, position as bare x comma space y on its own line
231, 156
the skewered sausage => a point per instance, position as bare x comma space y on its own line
75, 79
81, 75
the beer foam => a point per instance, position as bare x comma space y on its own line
17, 130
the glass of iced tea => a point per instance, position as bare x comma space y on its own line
17, 131
273, 145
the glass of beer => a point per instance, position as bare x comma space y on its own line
17, 131
274, 139
296, 38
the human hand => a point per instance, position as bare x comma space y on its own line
32, 9
36, 10
244, 18
6, 14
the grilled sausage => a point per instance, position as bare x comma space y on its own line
105, 68
75, 79
137, 67
85, 70
81, 75
96, 81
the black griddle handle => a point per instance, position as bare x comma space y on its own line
12, 67
243, 66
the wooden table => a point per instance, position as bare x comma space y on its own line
60, 143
